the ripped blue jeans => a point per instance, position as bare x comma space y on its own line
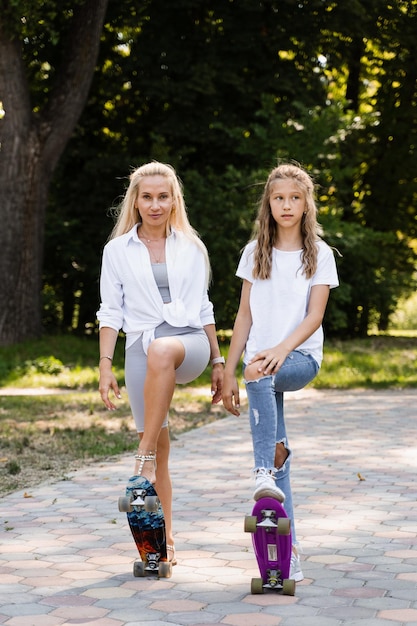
266, 417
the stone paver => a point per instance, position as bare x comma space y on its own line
66, 552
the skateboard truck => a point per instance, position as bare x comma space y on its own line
152, 561
274, 577
269, 519
138, 495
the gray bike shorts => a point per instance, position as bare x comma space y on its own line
197, 355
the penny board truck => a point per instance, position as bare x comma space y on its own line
146, 521
272, 544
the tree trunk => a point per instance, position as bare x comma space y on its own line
24, 195
31, 145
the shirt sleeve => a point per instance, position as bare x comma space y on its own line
326, 273
110, 313
207, 311
245, 266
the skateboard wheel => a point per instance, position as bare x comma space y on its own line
125, 504
138, 569
288, 587
283, 526
165, 569
250, 523
151, 504
257, 586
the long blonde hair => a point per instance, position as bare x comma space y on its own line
265, 228
128, 215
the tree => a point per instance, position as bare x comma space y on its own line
379, 192
221, 90
47, 59
195, 98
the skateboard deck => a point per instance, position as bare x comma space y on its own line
272, 544
146, 521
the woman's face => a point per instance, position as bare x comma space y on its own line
154, 201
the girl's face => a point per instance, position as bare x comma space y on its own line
154, 200
287, 203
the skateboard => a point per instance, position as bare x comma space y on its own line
271, 538
146, 521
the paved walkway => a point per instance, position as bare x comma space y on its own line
66, 552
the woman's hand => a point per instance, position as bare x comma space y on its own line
108, 381
216, 382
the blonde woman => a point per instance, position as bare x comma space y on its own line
154, 285
287, 273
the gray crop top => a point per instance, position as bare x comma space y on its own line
161, 278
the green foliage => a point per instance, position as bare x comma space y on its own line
43, 365
41, 27
329, 85
220, 210
377, 268
405, 317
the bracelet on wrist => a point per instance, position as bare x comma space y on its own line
106, 357
218, 359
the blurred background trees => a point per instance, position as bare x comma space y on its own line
222, 90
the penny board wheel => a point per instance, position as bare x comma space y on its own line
165, 569
151, 504
283, 526
288, 587
257, 586
125, 504
250, 523
138, 569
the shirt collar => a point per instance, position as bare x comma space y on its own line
132, 234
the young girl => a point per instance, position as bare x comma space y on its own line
287, 273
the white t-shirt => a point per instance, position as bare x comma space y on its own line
279, 304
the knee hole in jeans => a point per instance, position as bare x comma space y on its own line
281, 455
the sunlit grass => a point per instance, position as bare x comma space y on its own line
70, 363
64, 362
377, 362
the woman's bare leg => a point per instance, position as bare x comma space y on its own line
165, 355
163, 483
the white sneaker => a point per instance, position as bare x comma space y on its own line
265, 486
295, 568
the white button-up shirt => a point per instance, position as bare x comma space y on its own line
130, 298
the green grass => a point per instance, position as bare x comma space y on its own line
47, 436
70, 363
64, 362
378, 362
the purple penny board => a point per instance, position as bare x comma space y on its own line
272, 544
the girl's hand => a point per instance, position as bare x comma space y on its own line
108, 381
231, 401
269, 361
216, 383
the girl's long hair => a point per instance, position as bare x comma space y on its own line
265, 229
128, 215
